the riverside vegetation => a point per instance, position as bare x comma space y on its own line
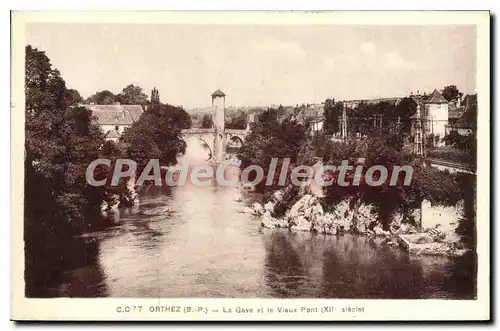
390, 211
62, 138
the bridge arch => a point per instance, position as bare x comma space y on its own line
197, 144
235, 139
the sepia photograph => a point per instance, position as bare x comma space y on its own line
196, 156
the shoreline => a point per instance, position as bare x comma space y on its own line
404, 230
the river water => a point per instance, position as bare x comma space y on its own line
192, 242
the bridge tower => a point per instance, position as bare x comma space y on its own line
218, 115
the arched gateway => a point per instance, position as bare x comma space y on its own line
217, 137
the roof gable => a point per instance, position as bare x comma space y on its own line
436, 97
115, 114
218, 93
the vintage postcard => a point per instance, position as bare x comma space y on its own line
271, 166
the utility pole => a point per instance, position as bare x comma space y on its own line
344, 122
418, 134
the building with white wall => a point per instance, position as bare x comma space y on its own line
115, 119
435, 116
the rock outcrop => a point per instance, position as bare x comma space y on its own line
426, 244
270, 222
258, 209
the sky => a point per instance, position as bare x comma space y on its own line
260, 65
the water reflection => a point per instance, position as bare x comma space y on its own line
202, 247
308, 265
192, 242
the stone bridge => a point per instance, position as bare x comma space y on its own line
217, 137
209, 137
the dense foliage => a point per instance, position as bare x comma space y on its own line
366, 118
157, 135
332, 110
206, 122
238, 120
383, 148
130, 95
61, 140
451, 92
271, 138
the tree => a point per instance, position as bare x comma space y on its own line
102, 98
156, 135
270, 138
132, 95
61, 140
155, 96
381, 148
406, 108
237, 121
74, 97
332, 111
451, 92
360, 120
206, 122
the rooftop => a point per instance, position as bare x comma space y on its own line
435, 97
218, 93
115, 114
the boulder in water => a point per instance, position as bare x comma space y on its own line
299, 208
245, 210
114, 206
269, 207
364, 219
278, 195
300, 224
270, 222
258, 209
104, 206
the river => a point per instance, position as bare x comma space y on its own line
192, 242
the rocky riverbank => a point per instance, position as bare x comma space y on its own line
116, 201
349, 216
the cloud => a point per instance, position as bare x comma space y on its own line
368, 47
395, 61
287, 49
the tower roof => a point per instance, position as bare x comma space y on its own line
218, 93
436, 97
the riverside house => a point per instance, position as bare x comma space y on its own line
115, 119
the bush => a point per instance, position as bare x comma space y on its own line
270, 138
452, 154
439, 187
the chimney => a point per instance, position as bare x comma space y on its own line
459, 102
